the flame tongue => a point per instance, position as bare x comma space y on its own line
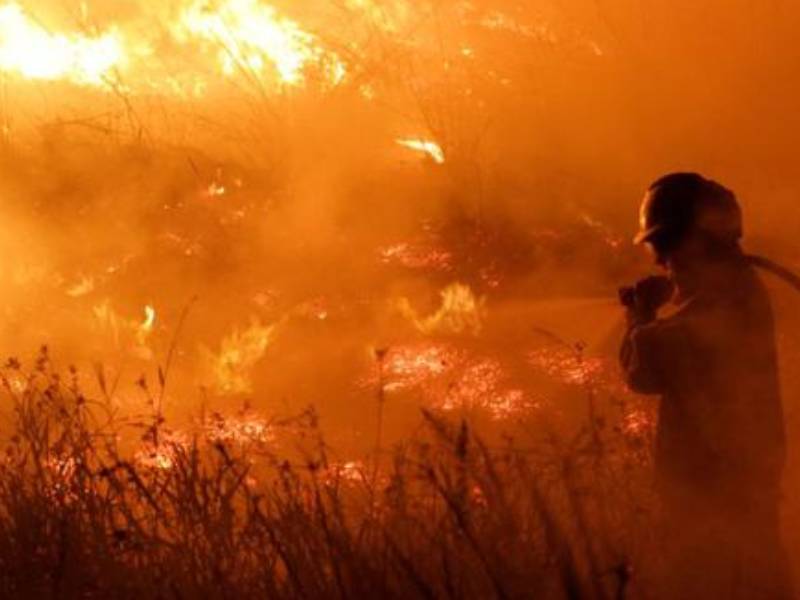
429, 147
26, 48
252, 37
238, 354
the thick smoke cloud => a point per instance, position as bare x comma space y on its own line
171, 184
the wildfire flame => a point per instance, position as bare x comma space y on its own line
387, 16
146, 327
108, 321
248, 36
428, 147
29, 50
162, 456
461, 311
253, 37
238, 354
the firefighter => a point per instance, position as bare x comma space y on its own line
720, 443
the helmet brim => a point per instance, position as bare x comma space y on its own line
646, 235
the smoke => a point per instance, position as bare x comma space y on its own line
368, 152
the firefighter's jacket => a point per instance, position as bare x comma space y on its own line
714, 365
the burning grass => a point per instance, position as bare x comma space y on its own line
375, 205
243, 507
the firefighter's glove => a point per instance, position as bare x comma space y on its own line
645, 298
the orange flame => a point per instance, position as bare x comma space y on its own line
428, 147
29, 50
145, 328
238, 354
252, 37
461, 312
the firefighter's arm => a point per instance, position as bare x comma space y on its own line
642, 358
646, 343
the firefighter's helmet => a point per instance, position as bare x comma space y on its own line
683, 203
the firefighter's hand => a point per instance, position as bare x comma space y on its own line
645, 298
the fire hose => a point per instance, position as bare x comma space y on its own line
776, 269
627, 295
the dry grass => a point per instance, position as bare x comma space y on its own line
85, 513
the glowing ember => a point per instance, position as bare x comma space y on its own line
450, 379
29, 50
216, 190
638, 423
317, 308
410, 366
62, 469
163, 455
238, 354
353, 471
240, 430
14, 381
253, 38
428, 147
566, 366
499, 21
609, 237
482, 385
417, 256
